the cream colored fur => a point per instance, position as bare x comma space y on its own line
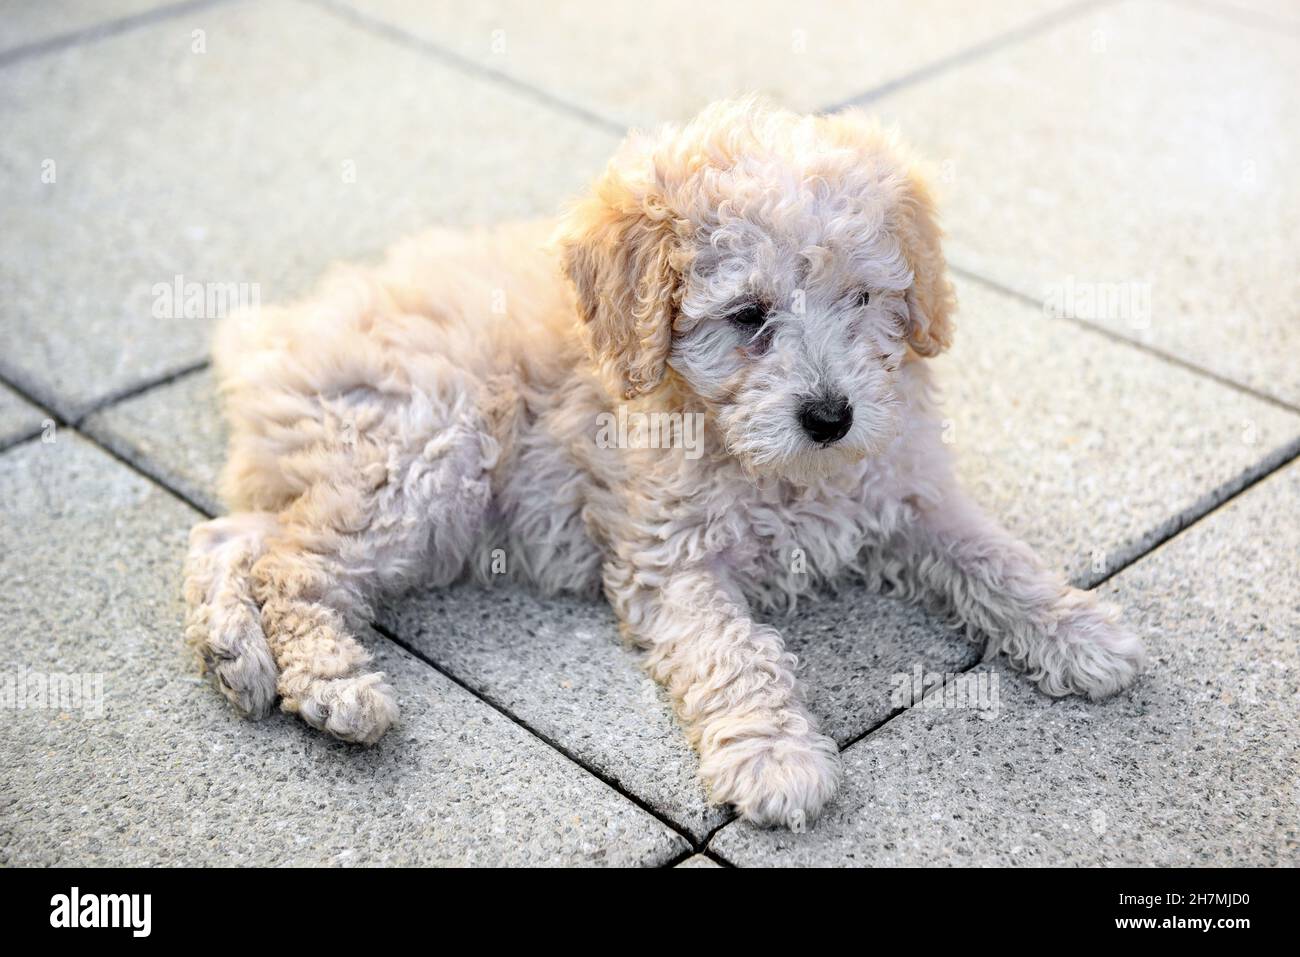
407, 421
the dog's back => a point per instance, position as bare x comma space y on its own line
482, 313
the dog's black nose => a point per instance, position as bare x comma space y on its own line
826, 420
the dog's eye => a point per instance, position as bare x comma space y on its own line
750, 316
862, 298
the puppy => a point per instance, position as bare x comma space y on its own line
777, 279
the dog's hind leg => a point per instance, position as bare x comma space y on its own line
223, 623
397, 495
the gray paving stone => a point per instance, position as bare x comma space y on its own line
176, 433
292, 141
699, 861
635, 70
25, 23
1198, 764
1088, 449
560, 666
1078, 444
18, 418
90, 554
1143, 188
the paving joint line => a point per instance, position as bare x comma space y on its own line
144, 472
891, 716
388, 635
487, 699
1263, 469
1113, 336
32, 393
18, 439
61, 423
138, 389
685, 855
26, 395
397, 35
449, 58
380, 629
702, 852
732, 818
1198, 512
1205, 505
972, 53
1288, 455
843, 749
103, 30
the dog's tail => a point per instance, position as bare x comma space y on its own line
223, 623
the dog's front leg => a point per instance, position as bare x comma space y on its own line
1064, 639
733, 684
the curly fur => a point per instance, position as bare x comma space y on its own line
420, 420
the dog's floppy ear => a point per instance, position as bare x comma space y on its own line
930, 299
619, 248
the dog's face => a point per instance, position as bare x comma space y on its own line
782, 268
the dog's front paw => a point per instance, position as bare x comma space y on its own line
781, 779
358, 709
1089, 651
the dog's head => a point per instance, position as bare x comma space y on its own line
781, 268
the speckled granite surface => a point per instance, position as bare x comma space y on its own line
256, 143
154, 768
1197, 764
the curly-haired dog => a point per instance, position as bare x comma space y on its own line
780, 276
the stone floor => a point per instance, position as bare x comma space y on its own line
1142, 150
